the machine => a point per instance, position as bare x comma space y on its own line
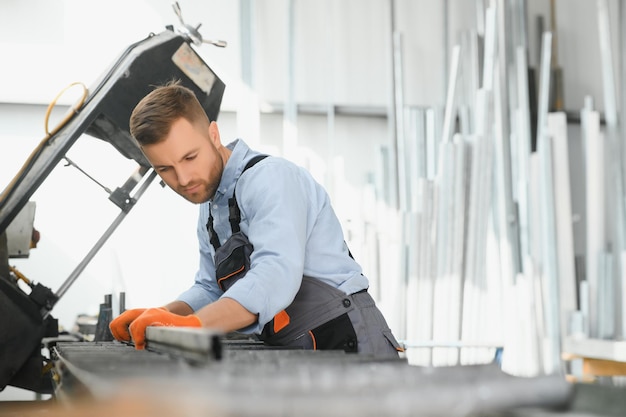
104, 114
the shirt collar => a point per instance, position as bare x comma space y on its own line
233, 168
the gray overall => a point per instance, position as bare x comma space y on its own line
320, 317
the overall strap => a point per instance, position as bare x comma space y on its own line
234, 214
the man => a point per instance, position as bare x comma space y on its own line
273, 260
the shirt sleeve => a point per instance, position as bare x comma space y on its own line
205, 289
275, 200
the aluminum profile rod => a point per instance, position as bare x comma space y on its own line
401, 162
479, 207
588, 105
445, 42
429, 258
415, 150
465, 121
519, 14
413, 317
459, 238
595, 198
534, 318
566, 284
485, 214
620, 297
534, 261
450, 111
480, 17
470, 294
583, 290
548, 240
433, 132
507, 41
444, 183
444, 221
425, 278
432, 263
385, 183
505, 208
619, 239
480, 195
466, 243
523, 152
489, 53
606, 297
550, 272
518, 77
194, 344
481, 152
616, 224
544, 83
371, 260
520, 121
397, 287
469, 80
622, 82
400, 153
480, 198
606, 56
393, 111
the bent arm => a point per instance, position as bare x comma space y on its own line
226, 315
179, 307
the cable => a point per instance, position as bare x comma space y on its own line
21, 276
74, 110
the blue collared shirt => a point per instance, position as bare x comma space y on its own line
289, 220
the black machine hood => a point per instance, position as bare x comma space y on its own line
105, 114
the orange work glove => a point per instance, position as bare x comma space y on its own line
158, 317
119, 326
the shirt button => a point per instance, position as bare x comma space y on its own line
351, 344
346, 303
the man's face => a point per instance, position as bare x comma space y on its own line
188, 160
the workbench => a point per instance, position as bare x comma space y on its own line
193, 372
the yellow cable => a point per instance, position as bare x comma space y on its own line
19, 275
74, 110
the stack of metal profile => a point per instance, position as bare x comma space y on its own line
196, 372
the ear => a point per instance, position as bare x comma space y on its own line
214, 134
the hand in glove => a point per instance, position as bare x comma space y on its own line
119, 326
158, 317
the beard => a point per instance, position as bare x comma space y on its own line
202, 190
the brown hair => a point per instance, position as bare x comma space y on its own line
152, 118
